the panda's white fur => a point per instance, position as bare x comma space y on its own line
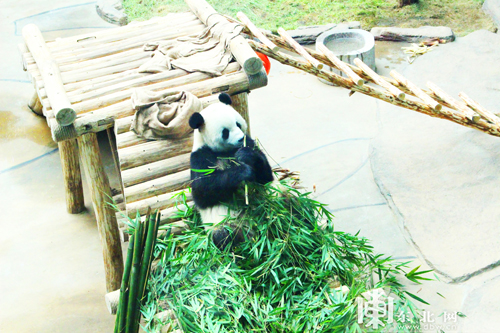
219, 135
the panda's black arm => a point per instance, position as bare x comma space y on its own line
254, 157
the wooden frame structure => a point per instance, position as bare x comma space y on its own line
83, 86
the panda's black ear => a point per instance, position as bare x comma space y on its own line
196, 120
225, 98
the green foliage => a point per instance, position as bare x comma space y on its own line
284, 278
462, 16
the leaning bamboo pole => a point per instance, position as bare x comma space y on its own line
448, 114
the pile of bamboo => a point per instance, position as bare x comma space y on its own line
466, 111
135, 275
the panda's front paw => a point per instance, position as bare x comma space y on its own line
247, 156
248, 173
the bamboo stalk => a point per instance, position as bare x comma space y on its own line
132, 305
168, 218
471, 115
157, 186
416, 90
379, 80
153, 224
149, 171
341, 65
447, 114
124, 289
256, 32
299, 49
490, 116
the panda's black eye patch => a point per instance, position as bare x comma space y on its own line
239, 125
225, 134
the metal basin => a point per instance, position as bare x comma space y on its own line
348, 45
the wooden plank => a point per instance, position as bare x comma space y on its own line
150, 171
157, 186
153, 151
160, 202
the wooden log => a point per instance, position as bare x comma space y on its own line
116, 34
106, 220
35, 105
112, 299
163, 167
167, 216
72, 176
129, 139
64, 113
340, 64
416, 90
256, 31
88, 101
160, 202
153, 151
240, 104
116, 159
155, 187
25, 55
447, 114
299, 49
471, 115
240, 49
134, 25
119, 46
379, 80
490, 116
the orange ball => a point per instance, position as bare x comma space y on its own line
265, 61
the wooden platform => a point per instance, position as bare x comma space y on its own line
83, 85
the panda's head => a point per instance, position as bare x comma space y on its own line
218, 126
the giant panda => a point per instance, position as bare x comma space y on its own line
220, 164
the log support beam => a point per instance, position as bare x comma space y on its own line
105, 215
72, 176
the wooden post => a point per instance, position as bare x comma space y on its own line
240, 104
72, 176
51, 76
35, 105
105, 215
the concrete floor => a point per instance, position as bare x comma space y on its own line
366, 159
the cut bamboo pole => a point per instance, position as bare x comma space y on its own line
240, 49
299, 49
447, 114
72, 176
106, 220
133, 302
155, 187
147, 172
490, 116
379, 80
64, 113
256, 32
471, 115
35, 105
416, 90
153, 151
159, 202
341, 65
